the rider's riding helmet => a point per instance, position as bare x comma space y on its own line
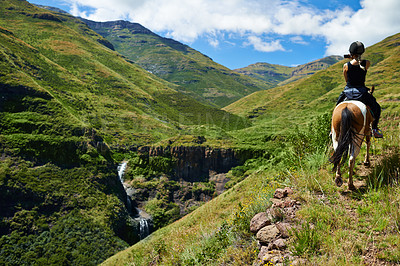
357, 48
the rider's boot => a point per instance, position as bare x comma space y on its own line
377, 133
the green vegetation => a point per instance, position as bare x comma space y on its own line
63, 60
196, 74
218, 232
275, 75
65, 101
74, 239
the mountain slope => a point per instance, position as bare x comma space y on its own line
97, 85
278, 75
197, 75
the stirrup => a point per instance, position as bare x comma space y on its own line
377, 133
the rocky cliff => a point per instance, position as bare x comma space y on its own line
193, 162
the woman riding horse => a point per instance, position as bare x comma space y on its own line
354, 73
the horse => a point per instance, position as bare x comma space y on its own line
351, 122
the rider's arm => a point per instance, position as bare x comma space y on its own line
345, 68
367, 64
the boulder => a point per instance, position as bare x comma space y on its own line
283, 229
267, 234
278, 244
266, 257
259, 221
280, 193
288, 191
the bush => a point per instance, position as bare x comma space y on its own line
313, 139
162, 212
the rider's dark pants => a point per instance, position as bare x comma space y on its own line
362, 95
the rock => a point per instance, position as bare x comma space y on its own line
259, 221
267, 234
277, 202
290, 212
265, 256
288, 191
280, 193
277, 213
289, 203
279, 244
283, 229
263, 251
193, 162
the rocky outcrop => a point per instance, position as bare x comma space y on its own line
194, 162
272, 229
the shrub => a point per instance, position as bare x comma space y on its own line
162, 212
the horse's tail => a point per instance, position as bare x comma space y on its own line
346, 137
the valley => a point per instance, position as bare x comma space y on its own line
202, 147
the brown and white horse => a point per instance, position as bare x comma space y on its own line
351, 122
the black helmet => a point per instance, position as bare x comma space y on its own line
357, 48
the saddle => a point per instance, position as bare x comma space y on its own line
370, 91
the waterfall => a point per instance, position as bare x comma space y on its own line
142, 217
143, 225
121, 170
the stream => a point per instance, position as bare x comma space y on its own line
139, 215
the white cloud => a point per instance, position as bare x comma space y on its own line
298, 40
375, 21
261, 46
188, 20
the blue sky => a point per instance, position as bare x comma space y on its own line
236, 33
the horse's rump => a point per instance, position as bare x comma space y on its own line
359, 115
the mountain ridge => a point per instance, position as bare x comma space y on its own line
277, 75
195, 73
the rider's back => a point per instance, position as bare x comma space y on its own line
355, 76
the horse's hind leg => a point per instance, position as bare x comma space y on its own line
367, 162
351, 167
338, 178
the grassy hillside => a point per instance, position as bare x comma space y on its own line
277, 75
345, 228
95, 84
196, 74
68, 101
270, 73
